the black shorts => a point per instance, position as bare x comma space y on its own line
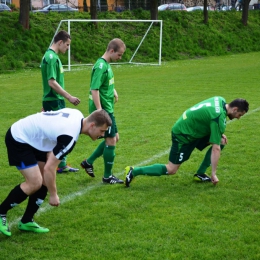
22, 155
180, 152
112, 130
53, 105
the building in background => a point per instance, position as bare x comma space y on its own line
41, 3
116, 5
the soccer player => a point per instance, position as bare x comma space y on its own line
54, 91
36, 145
199, 126
103, 95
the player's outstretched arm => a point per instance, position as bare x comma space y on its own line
96, 98
57, 88
215, 154
49, 176
115, 95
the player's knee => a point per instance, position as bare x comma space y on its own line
111, 141
172, 168
171, 172
35, 184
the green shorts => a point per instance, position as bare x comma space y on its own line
112, 130
53, 105
180, 152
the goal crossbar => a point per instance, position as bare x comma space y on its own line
69, 21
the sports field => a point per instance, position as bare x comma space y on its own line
167, 217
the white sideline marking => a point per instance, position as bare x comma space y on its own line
72, 196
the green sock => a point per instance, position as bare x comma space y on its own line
207, 160
63, 162
152, 170
97, 153
109, 156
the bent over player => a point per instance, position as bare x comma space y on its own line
199, 126
36, 145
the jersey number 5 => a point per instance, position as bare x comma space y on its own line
181, 157
200, 106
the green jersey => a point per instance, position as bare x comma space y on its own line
51, 68
102, 79
207, 118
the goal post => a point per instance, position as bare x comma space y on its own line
147, 31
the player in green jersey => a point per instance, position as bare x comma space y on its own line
103, 95
198, 127
54, 91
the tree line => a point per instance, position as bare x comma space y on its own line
25, 10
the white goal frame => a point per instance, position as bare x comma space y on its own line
69, 21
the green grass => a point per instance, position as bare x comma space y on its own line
184, 36
167, 217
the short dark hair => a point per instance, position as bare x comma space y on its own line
116, 44
100, 117
241, 104
61, 36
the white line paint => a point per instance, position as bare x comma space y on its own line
74, 195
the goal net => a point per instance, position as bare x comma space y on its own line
143, 39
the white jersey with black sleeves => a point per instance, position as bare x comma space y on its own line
41, 130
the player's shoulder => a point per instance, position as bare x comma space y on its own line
222, 99
51, 55
218, 99
72, 111
101, 64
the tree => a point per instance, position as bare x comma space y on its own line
93, 9
85, 7
154, 9
205, 11
245, 7
24, 13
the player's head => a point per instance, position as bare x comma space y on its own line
62, 39
116, 49
61, 36
237, 108
96, 124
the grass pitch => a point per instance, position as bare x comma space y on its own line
167, 217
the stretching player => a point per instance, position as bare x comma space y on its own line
36, 145
199, 126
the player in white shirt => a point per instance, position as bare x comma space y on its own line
36, 145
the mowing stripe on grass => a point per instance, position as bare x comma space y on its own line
72, 196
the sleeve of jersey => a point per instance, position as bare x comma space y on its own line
64, 146
51, 68
215, 134
99, 72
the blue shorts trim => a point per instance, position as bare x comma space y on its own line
23, 166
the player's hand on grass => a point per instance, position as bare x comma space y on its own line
54, 200
214, 179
